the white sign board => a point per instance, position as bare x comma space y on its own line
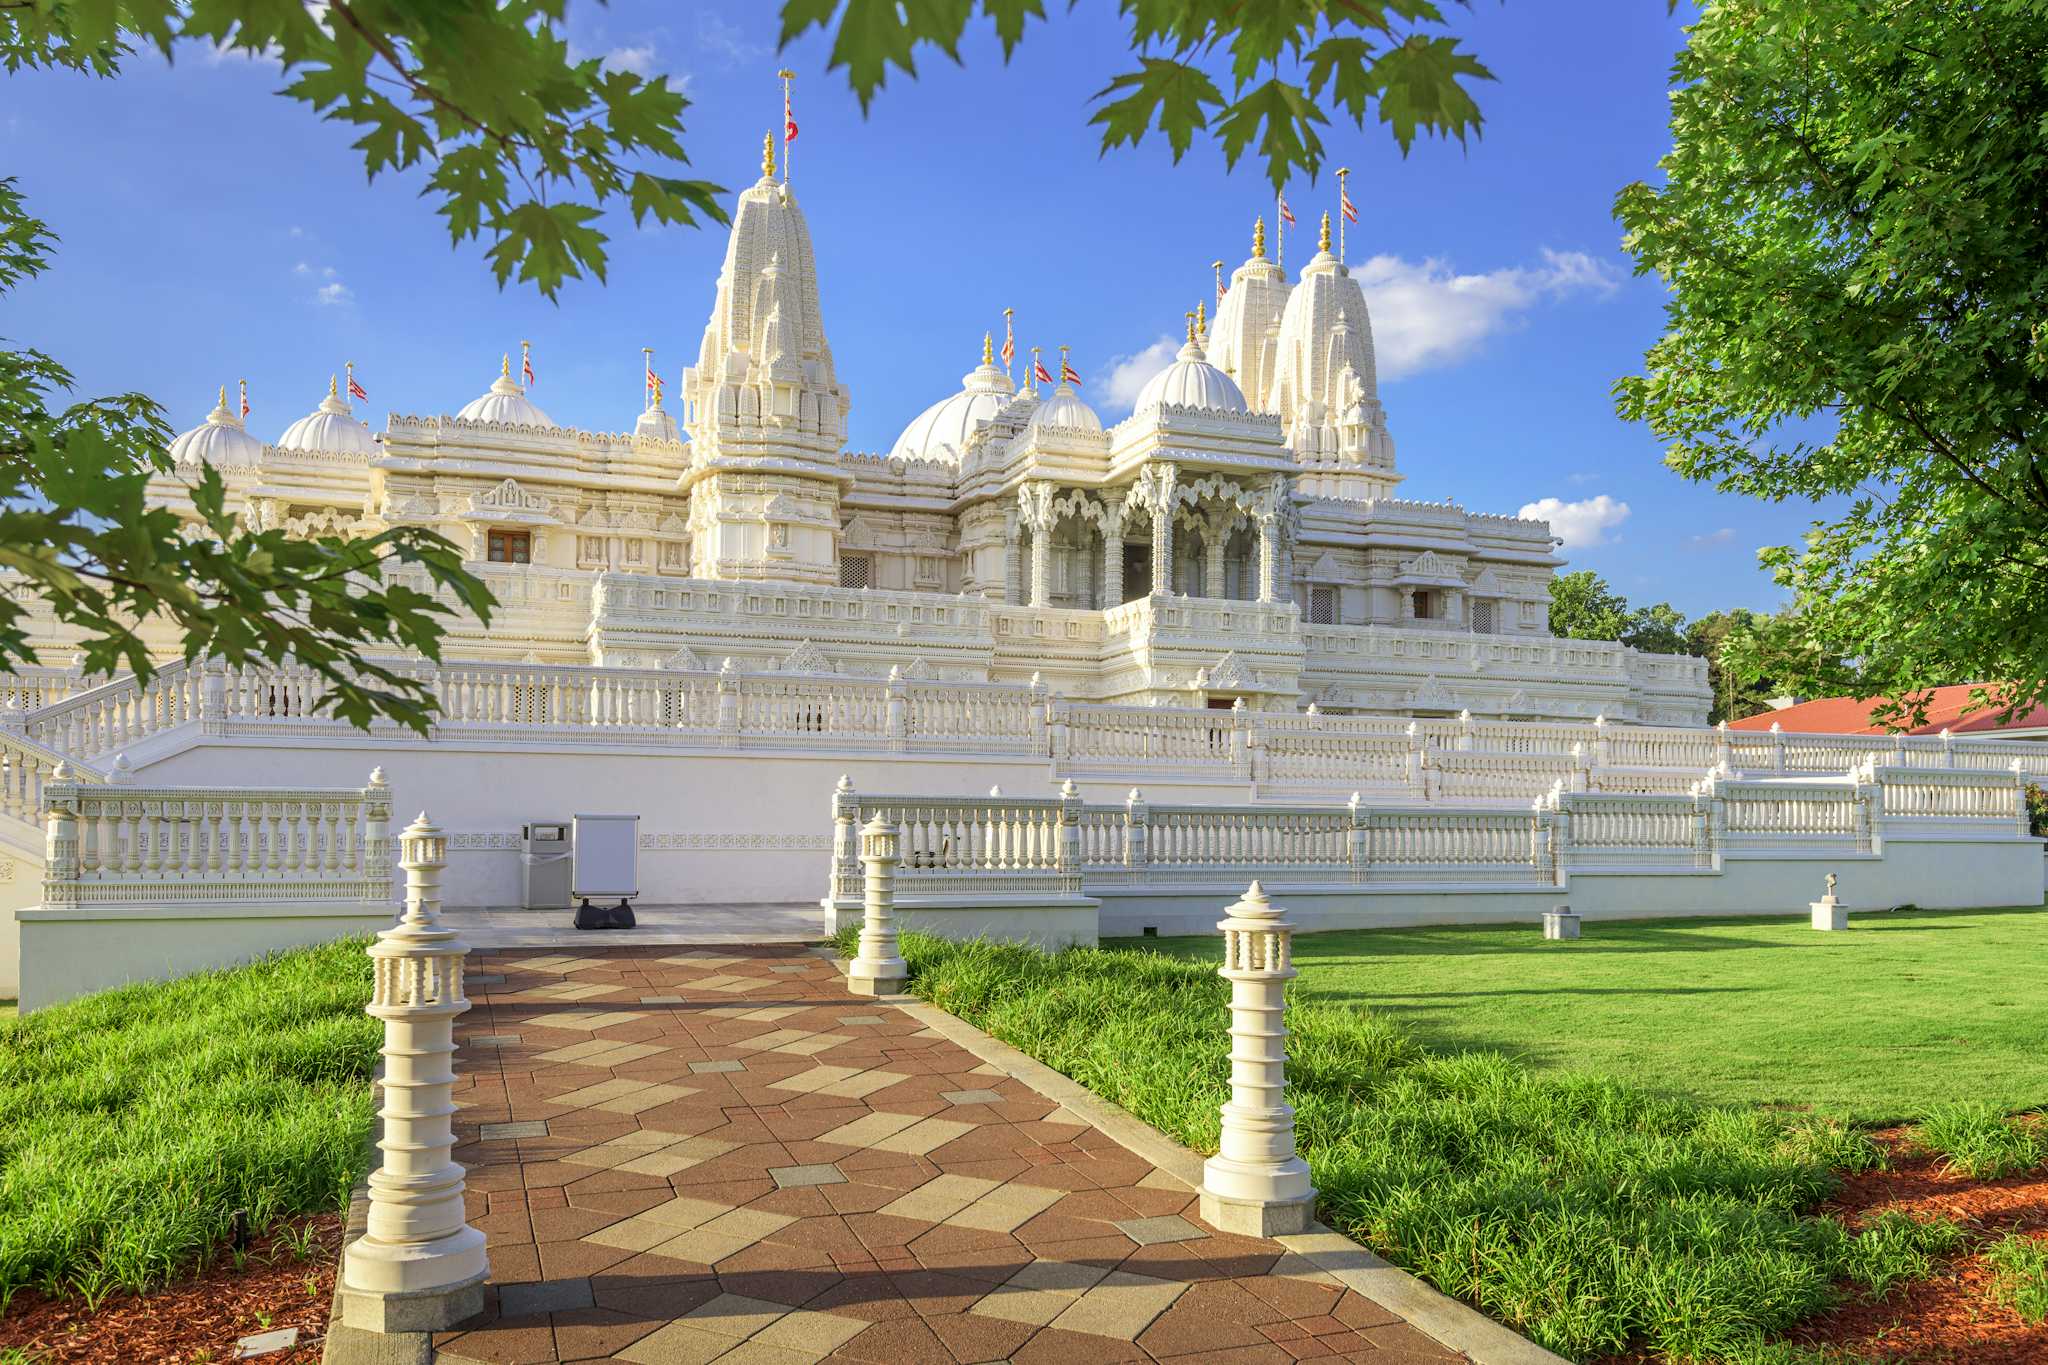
607, 857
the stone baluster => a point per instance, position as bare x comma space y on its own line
897, 717
878, 967
845, 838
1137, 821
420, 1266
1067, 848
1360, 840
1240, 754
728, 705
1257, 1185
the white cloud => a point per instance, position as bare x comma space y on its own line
1425, 314
1580, 478
728, 42
1710, 539
637, 58
334, 293
296, 231
1580, 525
302, 269
1128, 373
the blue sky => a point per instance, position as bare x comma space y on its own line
212, 232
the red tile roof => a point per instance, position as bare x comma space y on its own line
1847, 716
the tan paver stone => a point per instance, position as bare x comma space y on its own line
601, 1052
1121, 1306
939, 1199
1006, 1208
1160, 1180
679, 1343
575, 990
588, 1021
807, 1082
731, 985
649, 1151
764, 1013
869, 1129
700, 959
923, 1136
723, 1236
735, 1315
813, 1044
622, 1095
816, 1334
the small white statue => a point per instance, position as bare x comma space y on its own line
1831, 886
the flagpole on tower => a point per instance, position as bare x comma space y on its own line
788, 123
1280, 232
1218, 266
1009, 341
647, 390
1343, 210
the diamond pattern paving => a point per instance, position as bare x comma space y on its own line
755, 1165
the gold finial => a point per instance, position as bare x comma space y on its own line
1259, 239
768, 155
988, 348
1202, 321
1191, 326
223, 395
1323, 242
786, 74
505, 366
333, 389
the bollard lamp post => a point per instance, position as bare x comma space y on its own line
1257, 1184
878, 967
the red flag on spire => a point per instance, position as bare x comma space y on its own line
1344, 202
788, 119
1067, 375
245, 398
1009, 350
355, 390
1286, 214
526, 364
1038, 371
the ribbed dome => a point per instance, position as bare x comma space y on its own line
221, 441
1192, 382
506, 404
1065, 410
655, 424
330, 427
940, 432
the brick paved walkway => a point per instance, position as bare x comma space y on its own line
683, 1156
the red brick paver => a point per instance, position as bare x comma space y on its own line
718, 1154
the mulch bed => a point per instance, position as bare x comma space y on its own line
200, 1319
1951, 1316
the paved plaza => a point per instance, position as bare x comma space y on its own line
719, 1154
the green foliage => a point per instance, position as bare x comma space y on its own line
1849, 226
1585, 1212
134, 1123
2037, 810
2020, 1266
1289, 67
1980, 1142
1584, 607
78, 532
518, 142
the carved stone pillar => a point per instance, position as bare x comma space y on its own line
1269, 556
1112, 550
1034, 510
1407, 604
1214, 536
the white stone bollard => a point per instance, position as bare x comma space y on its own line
1257, 1184
1829, 913
878, 967
1560, 922
420, 1266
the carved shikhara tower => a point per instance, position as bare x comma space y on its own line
764, 411
1238, 537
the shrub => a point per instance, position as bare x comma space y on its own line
2020, 1266
1978, 1141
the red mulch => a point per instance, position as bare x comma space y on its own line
1950, 1318
199, 1319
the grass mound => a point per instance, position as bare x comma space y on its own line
133, 1124
1587, 1213
1978, 1141
2020, 1265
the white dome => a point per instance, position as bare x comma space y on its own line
330, 427
940, 432
1065, 410
655, 424
221, 441
506, 404
1192, 382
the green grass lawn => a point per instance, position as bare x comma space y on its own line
1588, 1212
1905, 1011
135, 1123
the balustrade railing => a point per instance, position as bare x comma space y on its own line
107, 718
149, 846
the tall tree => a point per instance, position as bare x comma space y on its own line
1584, 607
1851, 230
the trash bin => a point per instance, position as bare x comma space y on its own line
546, 864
